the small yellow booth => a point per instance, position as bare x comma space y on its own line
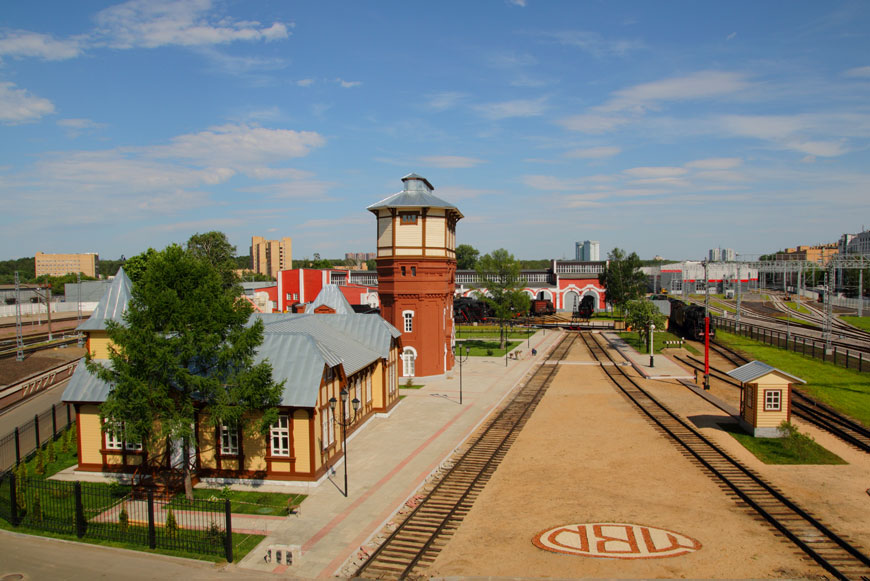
765, 401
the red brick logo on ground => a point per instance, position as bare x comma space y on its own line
615, 541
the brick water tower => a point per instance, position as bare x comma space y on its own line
417, 273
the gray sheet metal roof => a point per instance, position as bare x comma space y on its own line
298, 346
112, 306
416, 194
755, 369
331, 296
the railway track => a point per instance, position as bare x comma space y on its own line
837, 555
419, 538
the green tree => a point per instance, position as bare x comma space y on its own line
466, 257
214, 248
134, 267
622, 278
58, 283
372, 264
500, 276
640, 315
185, 346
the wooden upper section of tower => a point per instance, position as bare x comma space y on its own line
415, 222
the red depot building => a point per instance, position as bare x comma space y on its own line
416, 274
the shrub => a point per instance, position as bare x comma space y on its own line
65, 441
409, 382
36, 508
20, 487
214, 533
802, 445
171, 524
52, 454
123, 518
40, 461
225, 492
489, 352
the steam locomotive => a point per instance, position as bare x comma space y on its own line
689, 319
586, 307
470, 310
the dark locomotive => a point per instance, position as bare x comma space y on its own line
689, 320
586, 307
468, 310
541, 307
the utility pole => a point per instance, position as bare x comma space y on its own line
706, 329
81, 337
861, 292
19, 338
829, 274
739, 294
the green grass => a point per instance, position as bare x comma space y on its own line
243, 501
862, 323
659, 338
482, 348
490, 331
846, 390
797, 307
723, 306
796, 448
410, 386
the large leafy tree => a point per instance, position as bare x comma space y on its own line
185, 347
622, 278
215, 248
499, 274
134, 266
466, 257
641, 315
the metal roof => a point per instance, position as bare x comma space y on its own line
417, 193
331, 296
755, 369
298, 346
113, 304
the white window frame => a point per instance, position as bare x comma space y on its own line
409, 359
773, 400
327, 428
408, 318
279, 437
229, 441
115, 443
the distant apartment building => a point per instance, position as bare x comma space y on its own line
587, 251
820, 253
270, 256
60, 264
855, 243
722, 255
360, 256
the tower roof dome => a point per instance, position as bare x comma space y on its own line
417, 193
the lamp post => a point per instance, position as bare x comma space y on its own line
344, 423
652, 329
461, 361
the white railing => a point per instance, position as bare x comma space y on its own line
39, 308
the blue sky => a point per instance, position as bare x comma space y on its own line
657, 127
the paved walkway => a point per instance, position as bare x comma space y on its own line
663, 367
388, 461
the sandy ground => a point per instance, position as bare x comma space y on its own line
12, 371
587, 456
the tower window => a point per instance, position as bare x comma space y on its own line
413, 271
408, 217
403, 271
408, 317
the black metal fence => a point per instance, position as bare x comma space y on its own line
22, 442
110, 512
804, 345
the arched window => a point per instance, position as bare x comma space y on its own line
408, 358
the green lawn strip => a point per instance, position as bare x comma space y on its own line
862, 323
797, 307
411, 386
243, 501
243, 543
483, 348
723, 306
794, 319
846, 390
794, 449
490, 331
659, 338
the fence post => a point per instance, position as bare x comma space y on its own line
228, 542
17, 447
80, 510
36, 429
13, 499
53, 423
152, 534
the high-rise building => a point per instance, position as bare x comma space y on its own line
270, 256
60, 264
722, 255
587, 251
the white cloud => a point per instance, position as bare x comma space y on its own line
348, 84
516, 108
701, 85
823, 135
593, 43
715, 163
304, 82
594, 152
655, 172
240, 146
77, 127
593, 123
155, 23
22, 43
311, 190
731, 36
510, 60
455, 194
517, 2
861, 72
20, 106
444, 101
450, 161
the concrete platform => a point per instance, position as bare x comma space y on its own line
663, 368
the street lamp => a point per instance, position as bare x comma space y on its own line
461, 361
344, 423
652, 329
